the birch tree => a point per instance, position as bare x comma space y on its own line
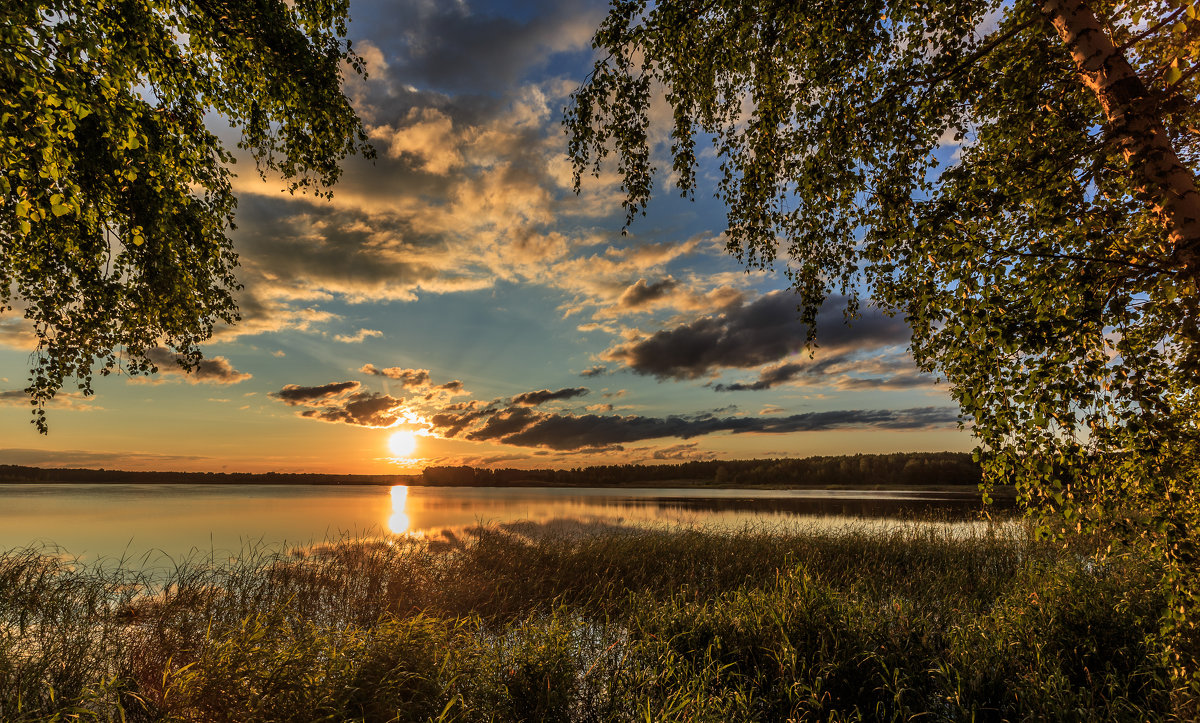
1017, 178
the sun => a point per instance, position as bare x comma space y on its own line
402, 443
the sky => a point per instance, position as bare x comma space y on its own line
456, 288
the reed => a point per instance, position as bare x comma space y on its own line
926, 621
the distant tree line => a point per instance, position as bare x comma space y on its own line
860, 470
19, 473
904, 468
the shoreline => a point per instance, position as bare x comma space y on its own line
683, 485
936, 472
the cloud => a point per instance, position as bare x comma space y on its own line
900, 381
612, 282
342, 402
518, 422
216, 370
679, 452
455, 418
18, 333
595, 371
767, 378
749, 335
293, 394
703, 293
263, 315
425, 135
640, 294
505, 423
524, 427
472, 186
533, 399
450, 46
62, 400
296, 250
358, 337
847, 372
367, 409
406, 377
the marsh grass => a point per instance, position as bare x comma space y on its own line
926, 621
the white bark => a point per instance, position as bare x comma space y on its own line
1166, 182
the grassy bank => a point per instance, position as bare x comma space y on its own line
591, 624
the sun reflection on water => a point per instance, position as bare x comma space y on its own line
398, 523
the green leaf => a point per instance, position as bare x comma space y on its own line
126, 68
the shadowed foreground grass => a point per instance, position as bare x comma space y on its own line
528, 623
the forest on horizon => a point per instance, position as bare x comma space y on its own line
900, 468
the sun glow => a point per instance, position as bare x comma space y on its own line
403, 443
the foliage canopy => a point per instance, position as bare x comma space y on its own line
116, 194
1017, 177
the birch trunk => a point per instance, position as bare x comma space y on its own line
1168, 185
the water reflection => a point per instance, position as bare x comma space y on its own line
425, 510
398, 523
115, 520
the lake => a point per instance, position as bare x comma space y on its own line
115, 520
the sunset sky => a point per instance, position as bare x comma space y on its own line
458, 288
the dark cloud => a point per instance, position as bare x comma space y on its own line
770, 377
20, 398
14, 397
17, 333
541, 396
367, 409
524, 427
891, 372
595, 371
457, 417
682, 452
216, 370
293, 394
900, 381
295, 248
342, 402
468, 187
641, 293
518, 422
748, 335
406, 377
505, 423
445, 45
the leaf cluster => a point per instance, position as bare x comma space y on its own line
944, 159
115, 194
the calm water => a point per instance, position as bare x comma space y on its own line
131, 520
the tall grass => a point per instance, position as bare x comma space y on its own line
530, 623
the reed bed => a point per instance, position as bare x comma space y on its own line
525, 622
